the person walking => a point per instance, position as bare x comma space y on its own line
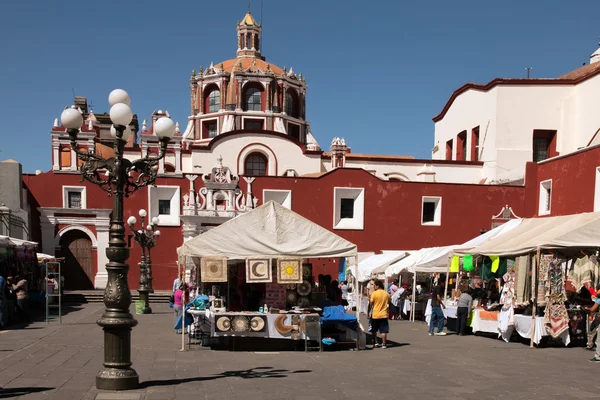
379, 301
465, 303
437, 315
177, 282
344, 289
591, 310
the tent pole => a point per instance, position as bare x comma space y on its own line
446, 286
414, 295
534, 282
357, 291
183, 307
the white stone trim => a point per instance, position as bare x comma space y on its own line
264, 119
100, 218
357, 222
597, 191
283, 197
164, 192
545, 197
80, 189
437, 216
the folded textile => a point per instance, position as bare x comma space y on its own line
521, 265
488, 315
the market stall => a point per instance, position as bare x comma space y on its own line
534, 263
259, 255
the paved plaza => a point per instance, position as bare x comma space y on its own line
52, 361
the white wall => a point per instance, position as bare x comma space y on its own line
287, 154
443, 172
587, 116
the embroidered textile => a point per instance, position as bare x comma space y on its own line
521, 279
556, 317
508, 290
213, 269
580, 273
258, 270
542, 276
289, 270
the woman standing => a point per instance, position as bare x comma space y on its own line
178, 297
465, 303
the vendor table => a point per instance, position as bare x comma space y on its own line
522, 324
242, 324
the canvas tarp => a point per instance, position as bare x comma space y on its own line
569, 231
369, 266
270, 230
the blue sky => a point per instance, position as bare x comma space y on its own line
377, 71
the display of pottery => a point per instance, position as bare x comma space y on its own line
240, 324
304, 288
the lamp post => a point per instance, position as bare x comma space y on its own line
146, 238
119, 177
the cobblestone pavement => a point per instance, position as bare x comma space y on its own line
52, 361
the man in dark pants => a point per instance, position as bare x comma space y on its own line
437, 315
465, 302
379, 302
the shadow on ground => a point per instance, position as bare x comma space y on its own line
252, 373
16, 392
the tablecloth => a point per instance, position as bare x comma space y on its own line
480, 324
523, 328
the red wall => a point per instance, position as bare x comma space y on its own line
45, 190
573, 183
392, 212
393, 208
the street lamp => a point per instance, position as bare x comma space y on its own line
119, 177
146, 238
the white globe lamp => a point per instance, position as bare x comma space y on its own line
71, 118
118, 96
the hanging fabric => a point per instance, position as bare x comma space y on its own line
495, 263
468, 263
454, 264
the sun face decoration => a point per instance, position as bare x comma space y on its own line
289, 271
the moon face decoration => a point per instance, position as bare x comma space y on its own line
258, 270
257, 324
223, 324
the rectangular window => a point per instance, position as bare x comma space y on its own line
74, 199
294, 131
253, 124
449, 150
461, 146
544, 145
212, 130
347, 208
475, 144
545, 197
283, 197
431, 211
164, 207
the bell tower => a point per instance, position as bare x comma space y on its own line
248, 31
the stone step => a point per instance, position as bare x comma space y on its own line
97, 296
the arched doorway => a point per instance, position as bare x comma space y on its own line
78, 271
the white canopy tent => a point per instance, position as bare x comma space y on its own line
569, 231
270, 230
377, 263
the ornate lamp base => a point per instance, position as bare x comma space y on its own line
144, 296
117, 379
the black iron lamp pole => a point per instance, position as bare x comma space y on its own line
146, 238
119, 177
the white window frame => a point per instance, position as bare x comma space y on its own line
283, 197
80, 189
172, 193
358, 221
597, 191
437, 215
205, 120
264, 120
544, 199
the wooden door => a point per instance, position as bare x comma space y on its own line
78, 266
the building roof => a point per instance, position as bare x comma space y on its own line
571, 78
247, 62
249, 20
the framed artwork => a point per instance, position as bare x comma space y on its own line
289, 270
213, 269
258, 270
